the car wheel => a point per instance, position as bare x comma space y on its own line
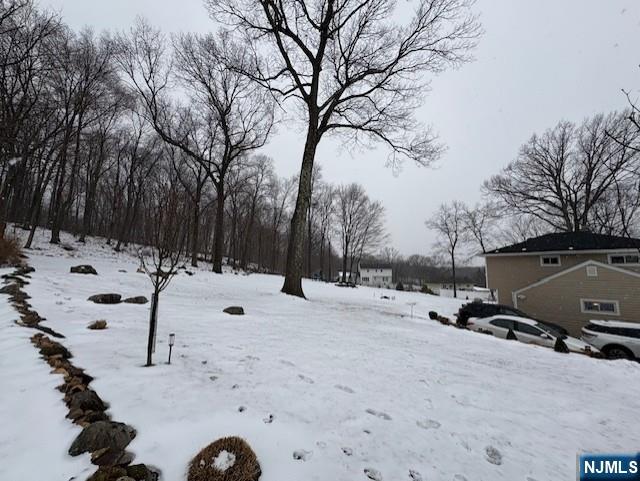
617, 352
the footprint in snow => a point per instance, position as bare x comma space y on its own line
415, 475
380, 414
373, 474
347, 451
302, 455
306, 379
428, 424
493, 455
287, 363
344, 388
269, 419
213, 378
321, 444
459, 477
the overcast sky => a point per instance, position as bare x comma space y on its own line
538, 62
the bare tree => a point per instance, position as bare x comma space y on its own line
326, 210
26, 36
167, 240
562, 175
479, 221
360, 225
448, 223
350, 71
228, 115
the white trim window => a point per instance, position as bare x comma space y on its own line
625, 258
600, 306
550, 261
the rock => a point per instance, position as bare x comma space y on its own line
87, 400
25, 270
136, 300
106, 298
84, 269
102, 434
52, 348
68, 247
93, 417
31, 318
111, 457
140, 472
433, 315
10, 289
108, 473
97, 325
234, 310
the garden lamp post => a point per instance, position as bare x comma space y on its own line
172, 341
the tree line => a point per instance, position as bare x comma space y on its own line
99, 131
573, 177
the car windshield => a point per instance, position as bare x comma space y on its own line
551, 330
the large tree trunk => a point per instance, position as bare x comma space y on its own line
219, 231
195, 233
153, 322
453, 270
295, 251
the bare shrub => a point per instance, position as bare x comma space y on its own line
245, 466
10, 253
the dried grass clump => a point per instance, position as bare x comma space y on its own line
10, 253
245, 468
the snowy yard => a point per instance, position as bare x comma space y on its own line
346, 379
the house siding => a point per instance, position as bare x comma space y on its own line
509, 273
558, 300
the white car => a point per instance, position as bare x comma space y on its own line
616, 339
528, 331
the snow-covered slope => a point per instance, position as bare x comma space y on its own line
345, 379
34, 434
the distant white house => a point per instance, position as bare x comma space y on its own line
375, 275
440, 288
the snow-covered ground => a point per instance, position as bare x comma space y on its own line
34, 434
347, 380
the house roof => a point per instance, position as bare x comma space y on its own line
375, 265
570, 241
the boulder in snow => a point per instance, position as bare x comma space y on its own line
100, 435
87, 401
84, 269
234, 310
136, 300
97, 325
106, 298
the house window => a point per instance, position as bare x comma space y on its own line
633, 259
365, 279
592, 271
590, 306
547, 261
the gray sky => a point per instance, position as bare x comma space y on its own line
538, 62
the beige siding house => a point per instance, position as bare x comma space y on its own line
569, 278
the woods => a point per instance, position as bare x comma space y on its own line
99, 130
